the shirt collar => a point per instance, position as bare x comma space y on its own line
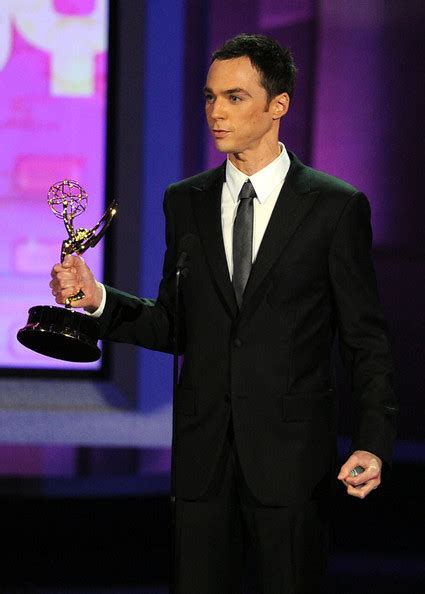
264, 181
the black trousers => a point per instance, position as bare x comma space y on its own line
228, 543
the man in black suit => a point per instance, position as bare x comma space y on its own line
279, 261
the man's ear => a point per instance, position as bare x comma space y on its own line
280, 105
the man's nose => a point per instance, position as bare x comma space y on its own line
217, 111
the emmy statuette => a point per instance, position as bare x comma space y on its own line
59, 332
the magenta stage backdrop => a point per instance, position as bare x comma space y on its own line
53, 78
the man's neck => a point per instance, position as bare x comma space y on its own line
251, 163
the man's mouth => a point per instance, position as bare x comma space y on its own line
219, 133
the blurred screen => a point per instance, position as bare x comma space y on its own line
53, 81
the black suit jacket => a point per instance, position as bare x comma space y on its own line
268, 366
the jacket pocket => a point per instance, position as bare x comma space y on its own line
186, 401
307, 406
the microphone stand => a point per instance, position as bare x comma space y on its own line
181, 271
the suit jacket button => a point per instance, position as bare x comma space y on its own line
227, 398
237, 342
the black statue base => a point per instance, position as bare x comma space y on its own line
61, 333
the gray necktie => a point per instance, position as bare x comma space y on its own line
242, 240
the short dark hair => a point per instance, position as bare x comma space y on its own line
273, 62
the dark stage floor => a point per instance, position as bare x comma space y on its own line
85, 545
340, 583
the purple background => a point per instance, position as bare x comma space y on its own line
357, 113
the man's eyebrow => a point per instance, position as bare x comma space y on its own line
229, 91
236, 90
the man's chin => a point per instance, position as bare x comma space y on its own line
222, 146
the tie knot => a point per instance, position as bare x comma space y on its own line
247, 191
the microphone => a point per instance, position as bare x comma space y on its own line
182, 270
185, 244
181, 261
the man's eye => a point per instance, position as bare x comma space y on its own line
234, 98
209, 98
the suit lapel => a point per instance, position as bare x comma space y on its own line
207, 209
295, 201
293, 204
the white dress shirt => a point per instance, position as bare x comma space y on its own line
267, 185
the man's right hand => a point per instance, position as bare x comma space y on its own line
71, 276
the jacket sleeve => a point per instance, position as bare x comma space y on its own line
363, 336
145, 322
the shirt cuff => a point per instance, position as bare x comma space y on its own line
99, 311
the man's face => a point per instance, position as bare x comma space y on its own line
238, 113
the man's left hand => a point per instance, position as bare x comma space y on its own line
362, 484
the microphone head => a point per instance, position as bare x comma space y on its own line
181, 261
186, 242
184, 246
